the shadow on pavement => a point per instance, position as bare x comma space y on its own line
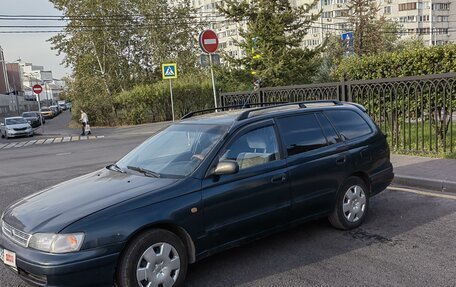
391, 214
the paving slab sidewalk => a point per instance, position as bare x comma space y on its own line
423, 172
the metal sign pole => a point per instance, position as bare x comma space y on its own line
39, 110
213, 81
171, 92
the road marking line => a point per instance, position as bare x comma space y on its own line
40, 141
20, 144
10, 145
48, 141
30, 143
92, 137
83, 137
73, 139
3, 145
100, 137
66, 139
58, 140
447, 196
64, 153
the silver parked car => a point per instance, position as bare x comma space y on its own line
15, 127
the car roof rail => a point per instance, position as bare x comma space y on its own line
224, 108
246, 113
262, 106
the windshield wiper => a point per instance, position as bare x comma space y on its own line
144, 171
115, 167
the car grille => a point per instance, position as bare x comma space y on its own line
15, 235
19, 129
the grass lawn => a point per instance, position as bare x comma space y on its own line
420, 139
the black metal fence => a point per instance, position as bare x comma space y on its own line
417, 113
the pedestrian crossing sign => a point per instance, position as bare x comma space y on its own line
169, 71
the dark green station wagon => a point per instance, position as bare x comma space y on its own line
204, 184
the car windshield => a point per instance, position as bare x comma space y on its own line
29, 114
176, 151
15, 121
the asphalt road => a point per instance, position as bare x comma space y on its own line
408, 239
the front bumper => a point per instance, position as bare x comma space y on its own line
94, 267
14, 134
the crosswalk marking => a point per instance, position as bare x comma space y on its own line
47, 141
30, 142
20, 144
11, 145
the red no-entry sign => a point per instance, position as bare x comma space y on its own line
208, 41
37, 89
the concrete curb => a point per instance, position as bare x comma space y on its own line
425, 183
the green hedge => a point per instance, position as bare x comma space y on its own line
408, 62
152, 103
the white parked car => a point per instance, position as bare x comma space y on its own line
15, 127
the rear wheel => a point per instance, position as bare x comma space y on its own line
156, 258
352, 204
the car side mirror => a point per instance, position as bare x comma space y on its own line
226, 167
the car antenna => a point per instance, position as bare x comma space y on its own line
256, 87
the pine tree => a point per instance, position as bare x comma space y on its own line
273, 40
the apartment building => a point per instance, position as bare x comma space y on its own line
4, 82
413, 16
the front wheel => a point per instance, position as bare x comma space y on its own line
352, 204
156, 258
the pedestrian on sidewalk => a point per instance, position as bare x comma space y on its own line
85, 123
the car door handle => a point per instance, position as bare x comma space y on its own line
341, 160
279, 178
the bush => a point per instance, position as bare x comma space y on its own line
408, 62
152, 103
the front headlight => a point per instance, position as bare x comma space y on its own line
9, 129
56, 243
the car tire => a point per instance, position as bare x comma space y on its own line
158, 255
3, 136
352, 204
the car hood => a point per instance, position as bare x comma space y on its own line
18, 126
54, 208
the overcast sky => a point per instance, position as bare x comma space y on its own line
30, 48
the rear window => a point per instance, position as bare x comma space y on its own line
349, 123
301, 134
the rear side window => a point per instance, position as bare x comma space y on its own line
328, 129
301, 134
350, 124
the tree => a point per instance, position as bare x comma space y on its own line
372, 34
272, 40
115, 45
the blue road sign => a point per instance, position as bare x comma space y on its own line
347, 36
